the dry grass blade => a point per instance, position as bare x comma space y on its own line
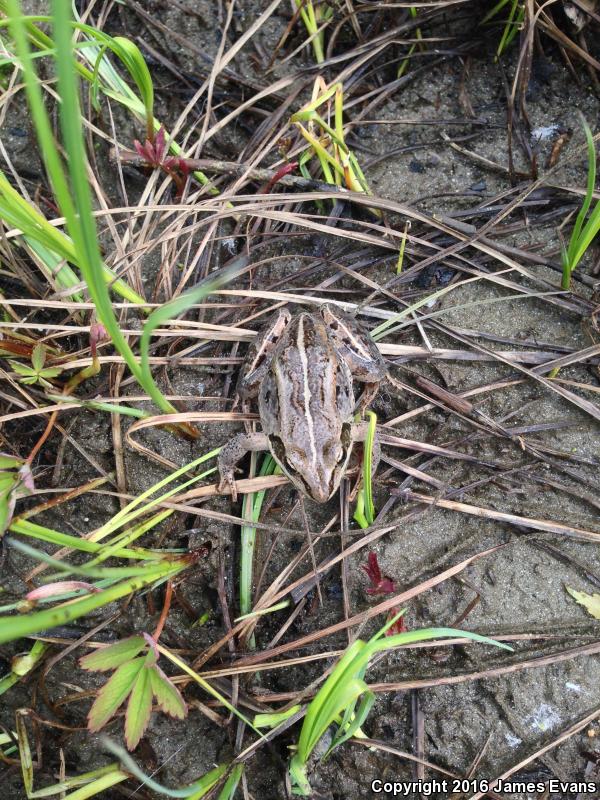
511, 519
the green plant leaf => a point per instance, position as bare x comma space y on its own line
316, 720
591, 602
22, 369
114, 655
351, 723
113, 693
193, 791
345, 685
275, 719
132, 59
582, 234
6, 509
231, 784
167, 695
38, 357
139, 709
10, 462
51, 372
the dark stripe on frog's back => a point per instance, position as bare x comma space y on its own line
283, 388
324, 370
330, 385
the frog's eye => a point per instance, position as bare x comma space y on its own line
294, 456
334, 450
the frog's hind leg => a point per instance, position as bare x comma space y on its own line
260, 356
354, 344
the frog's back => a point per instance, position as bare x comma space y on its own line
308, 389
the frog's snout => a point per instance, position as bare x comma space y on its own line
322, 485
320, 494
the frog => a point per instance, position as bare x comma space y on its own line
302, 368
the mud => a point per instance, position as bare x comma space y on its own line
521, 585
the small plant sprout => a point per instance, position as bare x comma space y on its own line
315, 16
339, 165
381, 584
583, 233
364, 514
346, 697
251, 508
22, 665
138, 677
37, 373
98, 334
15, 481
514, 21
405, 61
155, 154
400, 262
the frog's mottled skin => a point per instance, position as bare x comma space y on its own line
302, 370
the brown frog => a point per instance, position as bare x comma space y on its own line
302, 370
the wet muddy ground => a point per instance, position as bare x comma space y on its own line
478, 728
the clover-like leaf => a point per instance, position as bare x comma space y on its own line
113, 693
167, 695
10, 462
38, 357
139, 708
23, 369
114, 655
51, 372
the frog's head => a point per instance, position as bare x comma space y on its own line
316, 465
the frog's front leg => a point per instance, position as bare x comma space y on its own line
233, 452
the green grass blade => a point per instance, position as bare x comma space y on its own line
31, 529
252, 508
589, 194
51, 245
95, 788
204, 784
350, 726
229, 789
12, 628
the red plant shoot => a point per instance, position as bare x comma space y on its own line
155, 154
399, 626
380, 584
284, 170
